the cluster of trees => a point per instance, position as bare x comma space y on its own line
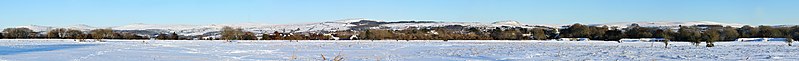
171, 36
430, 33
18, 33
229, 33
696, 34
462, 33
62, 33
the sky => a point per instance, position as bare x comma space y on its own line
104, 13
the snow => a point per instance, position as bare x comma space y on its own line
441, 24
252, 27
39, 28
36, 28
386, 50
508, 22
142, 26
353, 20
82, 27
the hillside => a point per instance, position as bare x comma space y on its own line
338, 25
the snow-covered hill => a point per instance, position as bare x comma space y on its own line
344, 24
82, 27
36, 28
668, 24
509, 22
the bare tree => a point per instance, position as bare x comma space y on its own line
691, 34
711, 36
99, 34
540, 34
82, 37
57, 33
63, 33
229, 33
18, 32
70, 33
127, 35
666, 35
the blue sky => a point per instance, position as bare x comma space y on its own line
122, 12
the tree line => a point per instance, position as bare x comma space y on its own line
694, 33
62, 33
428, 33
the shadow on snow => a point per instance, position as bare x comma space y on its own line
11, 50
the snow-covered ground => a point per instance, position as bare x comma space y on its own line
387, 50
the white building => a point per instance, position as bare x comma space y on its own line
333, 37
642, 39
354, 37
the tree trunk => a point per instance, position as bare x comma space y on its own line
710, 45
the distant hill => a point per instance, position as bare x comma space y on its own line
338, 25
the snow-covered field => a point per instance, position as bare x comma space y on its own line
389, 50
